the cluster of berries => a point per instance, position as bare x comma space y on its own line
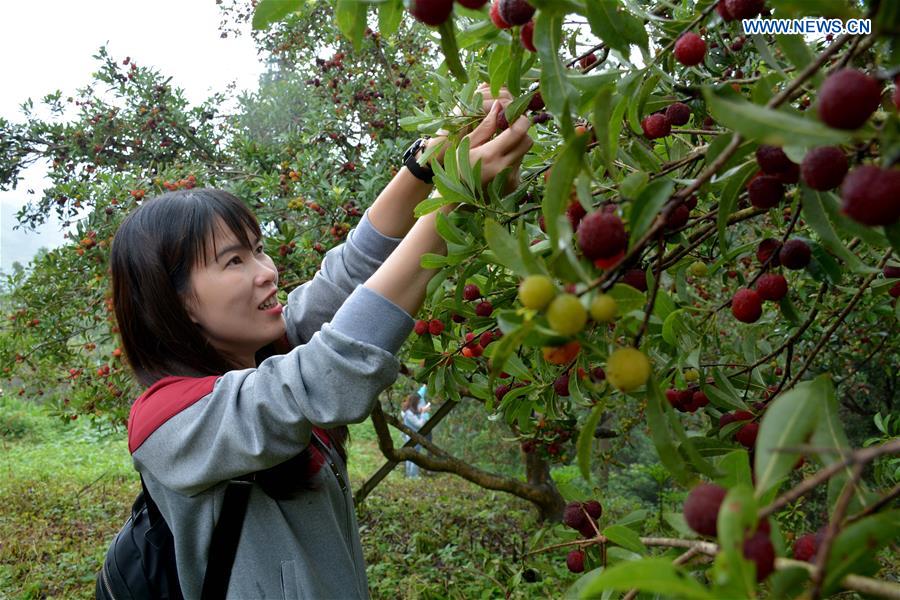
582, 517
687, 400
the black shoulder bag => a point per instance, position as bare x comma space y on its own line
140, 562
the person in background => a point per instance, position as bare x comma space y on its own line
414, 416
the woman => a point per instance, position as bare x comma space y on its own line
239, 384
413, 417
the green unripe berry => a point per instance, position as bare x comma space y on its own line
691, 375
604, 308
698, 269
627, 369
536, 291
566, 314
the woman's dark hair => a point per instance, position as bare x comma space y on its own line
153, 253
411, 402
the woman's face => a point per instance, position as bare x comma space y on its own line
228, 292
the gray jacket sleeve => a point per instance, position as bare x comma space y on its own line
257, 418
343, 268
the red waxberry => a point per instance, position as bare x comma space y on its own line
486, 338
636, 278
502, 121
767, 248
471, 292
435, 327
871, 195
701, 508
574, 516
501, 391
805, 547
795, 254
575, 212
541, 117
722, 9
673, 396
678, 217
526, 36
746, 306
656, 126
790, 175
575, 561
496, 18
746, 435
895, 290
824, 168
678, 113
699, 400
421, 327
598, 374
594, 509
476, 4
601, 235
772, 160
516, 12
431, 12
848, 98
738, 415
690, 49
896, 96
744, 9
537, 102
484, 309
765, 191
891, 272
759, 549
561, 385
772, 287
587, 61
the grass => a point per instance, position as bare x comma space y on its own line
66, 488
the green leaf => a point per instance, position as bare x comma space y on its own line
390, 13
585, 443
351, 18
655, 575
272, 11
736, 515
788, 421
814, 214
447, 30
449, 231
869, 235
661, 434
556, 89
762, 46
773, 127
498, 68
504, 247
603, 108
465, 167
556, 195
647, 205
795, 50
625, 537
429, 205
633, 184
627, 298
855, 548
507, 345
735, 469
678, 330
636, 106
893, 235
606, 23
729, 198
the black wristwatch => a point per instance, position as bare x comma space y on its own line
410, 161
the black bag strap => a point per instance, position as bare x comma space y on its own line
224, 541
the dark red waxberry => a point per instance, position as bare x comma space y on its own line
746, 306
871, 195
824, 168
575, 213
575, 561
537, 102
772, 159
471, 292
891, 272
722, 9
421, 327
690, 49
484, 309
594, 509
656, 126
431, 12
769, 247
678, 113
601, 235
738, 415
805, 547
500, 391
561, 385
636, 278
795, 254
790, 175
495, 16
698, 400
758, 548
516, 12
574, 516
701, 508
541, 117
765, 191
848, 98
587, 60
746, 435
744, 9
678, 217
772, 286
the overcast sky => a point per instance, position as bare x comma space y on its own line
48, 44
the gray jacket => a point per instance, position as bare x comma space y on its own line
188, 436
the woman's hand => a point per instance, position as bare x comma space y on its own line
487, 102
505, 150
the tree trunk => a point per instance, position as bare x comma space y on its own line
537, 473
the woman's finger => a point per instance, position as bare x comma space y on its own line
486, 128
509, 139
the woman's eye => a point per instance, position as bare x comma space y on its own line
259, 249
236, 258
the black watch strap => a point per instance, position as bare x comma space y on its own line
411, 162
